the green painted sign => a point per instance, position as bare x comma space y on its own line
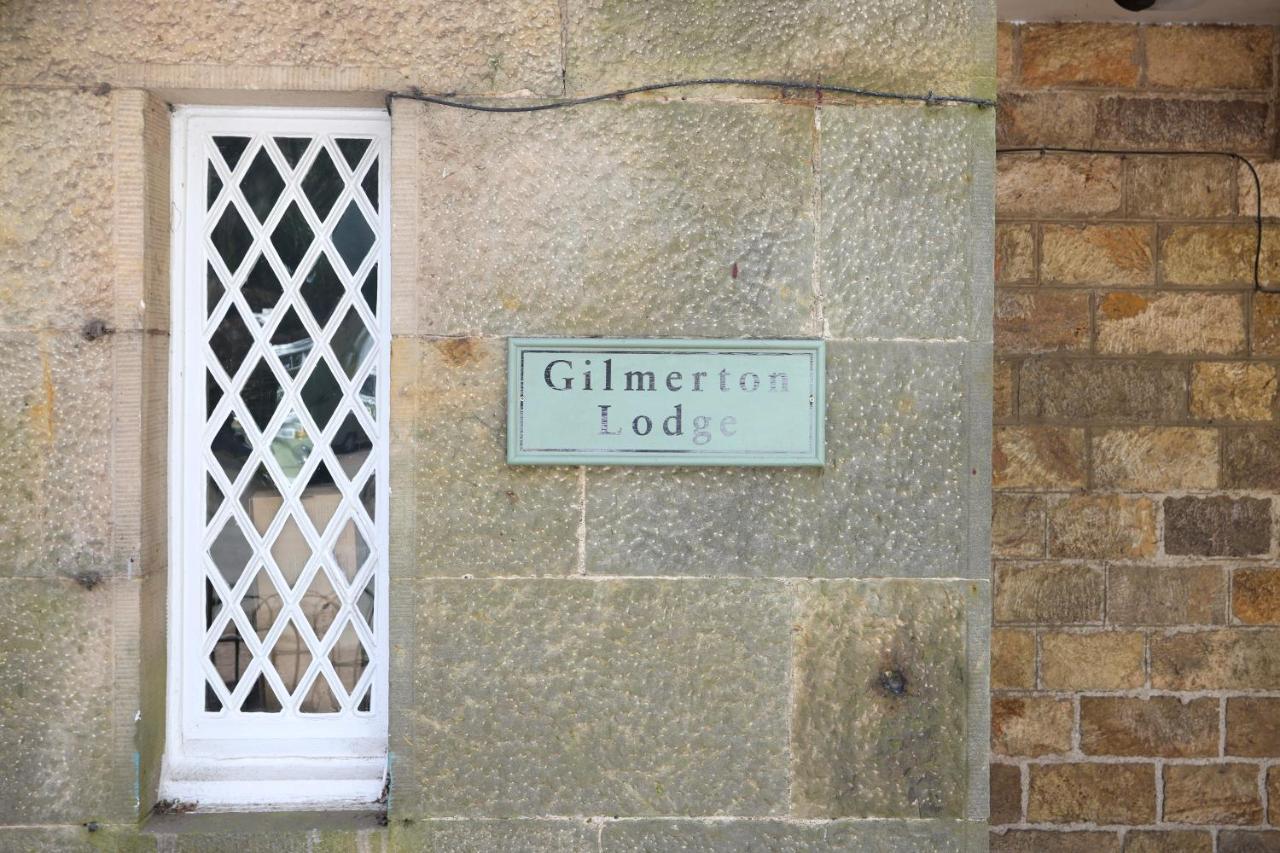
594, 401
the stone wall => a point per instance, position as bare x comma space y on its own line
585, 660
1136, 662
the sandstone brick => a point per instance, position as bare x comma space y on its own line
1062, 118
1251, 458
1080, 55
1266, 324
1166, 595
1220, 659
1173, 841
1006, 794
1049, 593
1273, 794
1031, 725
1058, 185
1269, 176
1015, 253
1013, 659
1037, 457
1255, 596
1099, 793
1217, 526
1248, 841
1097, 255
1208, 57
1162, 726
1174, 323
1253, 726
1042, 841
1105, 660
1181, 123
1041, 321
1155, 459
1181, 187
1212, 794
1017, 525
1002, 391
1102, 527
1233, 391
1207, 255
1005, 35
1116, 391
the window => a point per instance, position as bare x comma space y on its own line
278, 460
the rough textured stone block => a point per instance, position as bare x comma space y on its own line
1217, 527
1118, 391
775, 836
484, 836
1080, 55
1058, 185
55, 839
1255, 596
1108, 660
1253, 726
900, 191
1103, 527
56, 709
1266, 324
1181, 123
1060, 118
663, 231
1006, 794
1180, 187
1013, 659
1249, 841
1155, 459
473, 513
1005, 35
1050, 593
1214, 255
1097, 255
1101, 793
1221, 659
614, 44
1269, 177
1037, 457
891, 499
1041, 841
612, 697
1031, 725
1273, 795
1039, 322
1173, 323
1017, 526
1208, 57
1015, 253
1174, 841
55, 218
1002, 389
1212, 794
1162, 726
1233, 391
1251, 458
879, 714
1166, 595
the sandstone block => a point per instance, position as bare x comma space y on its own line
1181, 123
1038, 457
1058, 185
1255, 596
1155, 459
1100, 793
1215, 255
1013, 659
776, 836
1208, 57
1048, 593
1088, 389
1173, 323
1015, 254
1041, 321
1217, 526
1017, 525
1006, 794
1097, 255
1002, 391
1058, 118
1248, 841
479, 836
1005, 35
1220, 659
1269, 176
1173, 841
1233, 391
1250, 458
1266, 324
1165, 595
1080, 55
1041, 841
1031, 725
1110, 660
1212, 794
1162, 726
1253, 726
1102, 527
1180, 187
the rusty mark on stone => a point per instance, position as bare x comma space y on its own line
733, 270
40, 414
1122, 306
459, 351
893, 681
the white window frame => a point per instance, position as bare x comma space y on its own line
339, 763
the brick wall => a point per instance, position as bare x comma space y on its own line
1136, 655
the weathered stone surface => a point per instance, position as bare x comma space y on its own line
1155, 459
272, 832
1041, 841
1117, 391
1216, 255
1101, 793
1233, 391
1038, 457
1255, 596
1015, 253
1031, 725
1208, 57
1173, 323
473, 513
1103, 527
1165, 595
1060, 118
1006, 794
1217, 527
602, 700
1080, 55
1251, 458
879, 717
1097, 255
1041, 321
900, 193
1058, 185
1174, 841
56, 709
1273, 794
54, 839
1002, 389
55, 208
1005, 35
1266, 324
1180, 187
1212, 794
483, 836
55, 488
1249, 841
1162, 726
1017, 526
1105, 660
890, 500
775, 836
1220, 659
1269, 177
1052, 593
1182, 123
660, 232
1253, 726
613, 44
1013, 659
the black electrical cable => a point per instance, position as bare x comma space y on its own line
559, 103
1257, 186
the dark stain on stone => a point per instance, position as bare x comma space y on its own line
512, 496
102, 89
88, 580
733, 270
893, 682
91, 826
95, 329
172, 807
459, 351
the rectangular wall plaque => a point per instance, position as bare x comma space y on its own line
595, 401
